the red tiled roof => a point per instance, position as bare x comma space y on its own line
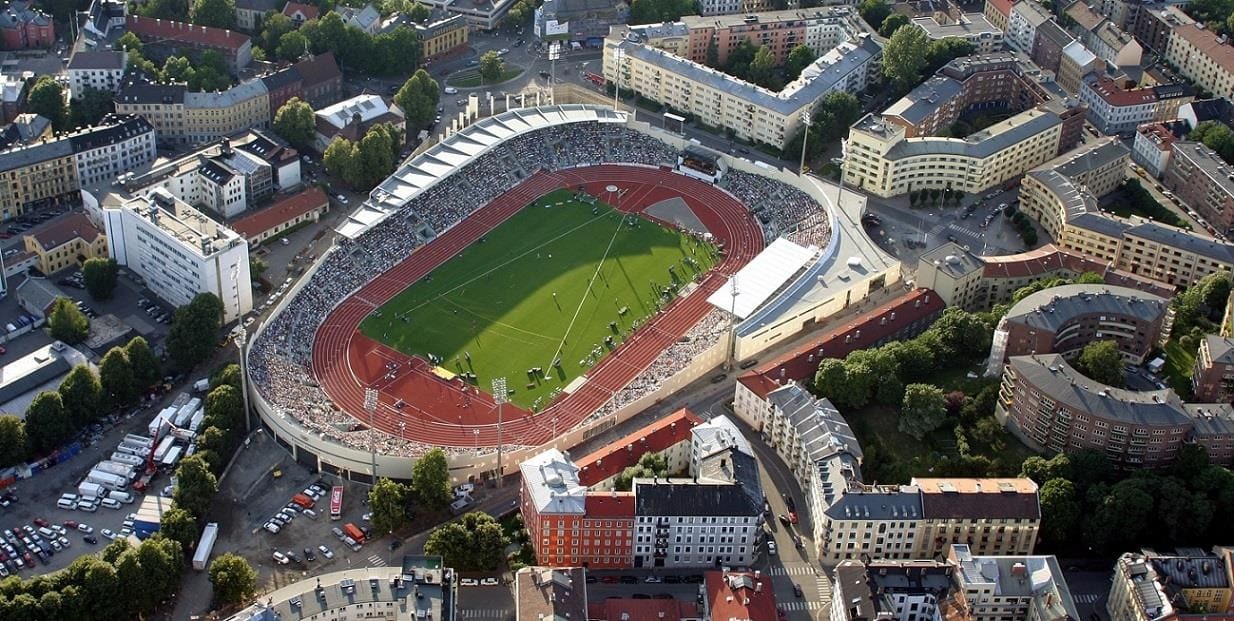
1002, 6
307, 10
1050, 259
658, 436
759, 384
66, 230
619, 608
1206, 42
1115, 95
861, 332
755, 604
148, 29
610, 505
285, 210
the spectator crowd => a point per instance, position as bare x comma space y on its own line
280, 359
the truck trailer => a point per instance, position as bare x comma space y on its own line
127, 459
115, 467
90, 490
107, 479
137, 440
205, 545
164, 447
140, 452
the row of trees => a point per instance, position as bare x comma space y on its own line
474, 543
122, 582
1088, 505
46, 97
910, 55
205, 72
394, 53
362, 165
392, 503
55, 417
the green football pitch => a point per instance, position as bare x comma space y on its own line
565, 279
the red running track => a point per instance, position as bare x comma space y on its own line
417, 406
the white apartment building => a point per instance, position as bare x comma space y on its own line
1202, 57
98, 69
1154, 142
1022, 25
179, 251
118, 144
1011, 588
716, 435
1115, 110
972, 27
751, 112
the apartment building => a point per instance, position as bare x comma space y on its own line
480, 15
972, 27
44, 173
1154, 143
68, 242
367, 18
750, 112
711, 518
1203, 181
882, 160
1213, 376
117, 145
23, 26
179, 251
184, 118
1104, 37
582, 21
1022, 24
730, 594
443, 36
315, 80
555, 592
978, 84
998, 12
1113, 109
1154, 587
1155, 25
668, 437
820, 29
1064, 319
1052, 407
96, 69
1076, 62
992, 516
1048, 46
163, 38
28, 128
1201, 57
249, 13
284, 214
352, 118
963, 586
976, 283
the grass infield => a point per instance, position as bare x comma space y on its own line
565, 279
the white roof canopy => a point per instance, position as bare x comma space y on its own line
761, 277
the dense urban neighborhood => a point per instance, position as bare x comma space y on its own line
719, 310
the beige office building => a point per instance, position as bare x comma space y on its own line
1202, 57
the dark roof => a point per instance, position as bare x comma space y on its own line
257, 5
269, 148
1052, 32
679, 497
212, 171
67, 229
282, 78
877, 503
165, 30
111, 129
145, 92
97, 59
967, 498
46, 373
1211, 110
1191, 242
318, 69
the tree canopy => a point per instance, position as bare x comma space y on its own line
874, 12
46, 97
418, 98
657, 11
196, 486
116, 377
100, 276
216, 13
649, 465
82, 395
295, 123
893, 23
66, 322
13, 441
798, 59
1101, 361
905, 56
195, 331
90, 107
923, 410
491, 67
388, 501
474, 543
47, 424
147, 371
233, 578
1216, 136
430, 480
364, 164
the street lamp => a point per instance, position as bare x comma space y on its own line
499, 396
241, 337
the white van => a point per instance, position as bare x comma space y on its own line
310, 513
111, 503
65, 503
86, 505
123, 497
47, 533
70, 497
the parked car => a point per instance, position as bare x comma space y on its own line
468, 582
280, 558
490, 581
326, 552
91, 539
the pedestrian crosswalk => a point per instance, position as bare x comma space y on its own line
376, 561
1086, 598
792, 570
800, 605
484, 613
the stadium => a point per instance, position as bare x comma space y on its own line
538, 277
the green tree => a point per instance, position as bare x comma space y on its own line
762, 69
195, 486
874, 12
648, 466
430, 480
798, 59
66, 322
178, 69
961, 335
831, 379
147, 370
342, 160
1040, 469
13, 440
656, 11
837, 111
904, 57
923, 410
228, 374
46, 97
388, 502
116, 377
1060, 511
491, 67
82, 395
418, 98
378, 152
1101, 361
295, 123
474, 543
100, 277
893, 23
943, 51
417, 12
129, 43
1118, 515
47, 424
1216, 136
713, 54
216, 13
176, 10
273, 27
233, 578
90, 107
194, 331
225, 408
291, 46
179, 525
162, 563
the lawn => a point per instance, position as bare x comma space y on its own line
564, 279
1179, 365
470, 78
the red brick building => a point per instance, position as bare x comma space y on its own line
164, 38
23, 26
669, 436
739, 595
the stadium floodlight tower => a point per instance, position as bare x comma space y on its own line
370, 406
805, 137
240, 338
499, 397
554, 52
619, 55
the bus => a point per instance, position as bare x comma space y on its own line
336, 502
